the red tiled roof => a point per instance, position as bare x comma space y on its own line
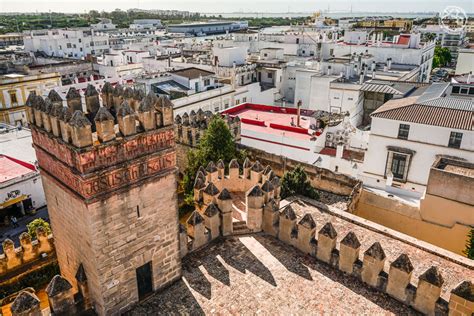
404, 39
346, 154
11, 168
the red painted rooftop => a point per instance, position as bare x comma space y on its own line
11, 168
273, 120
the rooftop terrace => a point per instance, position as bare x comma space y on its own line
258, 274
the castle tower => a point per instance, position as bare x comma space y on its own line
113, 207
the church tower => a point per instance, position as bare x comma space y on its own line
109, 174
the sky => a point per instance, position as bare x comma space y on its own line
226, 6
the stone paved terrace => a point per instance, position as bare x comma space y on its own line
259, 274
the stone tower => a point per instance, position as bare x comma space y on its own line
112, 198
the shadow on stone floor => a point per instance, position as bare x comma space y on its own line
241, 259
275, 247
292, 261
175, 300
237, 255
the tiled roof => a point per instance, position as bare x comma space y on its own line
11, 168
192, 72
431, 108
381, 88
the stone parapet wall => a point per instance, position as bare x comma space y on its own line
213, 194
410, 219
189, 129
320, 178
321, 243
29, 251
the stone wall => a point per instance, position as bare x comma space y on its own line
12, 259
109, 174
214, 191
321, 179
213, 194
408, 219
320, 242
189, 129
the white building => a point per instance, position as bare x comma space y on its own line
453, 41
229, 56
145, 24
276, 130
21, 188
104, 25
408, 134
405, 50
465, 62
73, 43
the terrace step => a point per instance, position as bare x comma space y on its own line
240, 228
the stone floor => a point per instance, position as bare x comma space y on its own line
260, 275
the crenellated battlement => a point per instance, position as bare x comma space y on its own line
215, 192
29, 250
189, 128
76, 141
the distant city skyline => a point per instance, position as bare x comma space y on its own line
230, 6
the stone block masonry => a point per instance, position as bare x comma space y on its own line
111, 195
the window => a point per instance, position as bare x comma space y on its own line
398, 166
207, 82
138, 211
455, 140
398, 161
13, 99
68, 45
265, 55
237, 101
270, 75
244, 99
403, 131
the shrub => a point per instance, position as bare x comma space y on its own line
39, 222
296, 182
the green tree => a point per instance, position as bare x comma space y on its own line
33, 225
442, 56
296, 182
217, 143
94, 14
469, 251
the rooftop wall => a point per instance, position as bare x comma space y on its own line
450, 179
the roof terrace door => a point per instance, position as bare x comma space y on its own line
144, 281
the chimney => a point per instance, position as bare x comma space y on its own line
339, 150
469, 78
385, 68
298, 113
361, 77
389, 63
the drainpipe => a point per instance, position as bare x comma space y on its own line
298, 113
